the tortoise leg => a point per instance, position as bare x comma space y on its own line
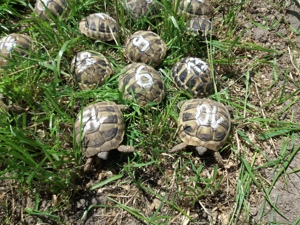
125, 148
219, 159
178, 147
88, 164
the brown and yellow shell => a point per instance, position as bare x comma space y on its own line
199, 24
18, 42
193, 75
99, 26
91, 69
139, 8
192, 8
205, 123
99, 128
144, 82
55, 7
145, 47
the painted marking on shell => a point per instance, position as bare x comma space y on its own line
8, 43
146, 76
100, 15
210, 116
88, 61
41, 6
139, 41
195, 65
92, 121
149, 1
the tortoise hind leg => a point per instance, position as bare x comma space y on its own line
219, 159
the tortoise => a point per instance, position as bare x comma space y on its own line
142, 81
100, 128
99, 26
191, 8
139, 8
146, 47
19, 42
205, 124
199, 24
55, 7
194, 75
91, 69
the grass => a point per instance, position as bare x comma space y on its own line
40, 156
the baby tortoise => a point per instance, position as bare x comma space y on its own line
99, 26
100, 128
18, 42
191, 8
205, 124
55, 7
193, 75
146, 47
139, 8
142, 81
91, 69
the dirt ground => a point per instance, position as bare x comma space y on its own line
85, 206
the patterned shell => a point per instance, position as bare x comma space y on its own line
192, 8
205, 123
100, 128
194, 75
91, 69
18, 42
139, 8
199, 24
146, 47
144, 82
99, 26
55, 7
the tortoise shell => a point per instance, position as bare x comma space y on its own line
91, 69
193, 75
143, 81
100, 128
204, 122
192, 8
139, 8
19, 42
199, 24
55, 7
99, 26
145, 47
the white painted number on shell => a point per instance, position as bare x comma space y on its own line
195, 65
88, 60
143, 79
8, 43
41, 4
92, 121
210, 116
139, 41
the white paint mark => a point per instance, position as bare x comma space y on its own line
149, 1
195, 65
92, 121
146, 76
84, 60
139, 41
7, 42
41, 3
100, 15
210, 116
